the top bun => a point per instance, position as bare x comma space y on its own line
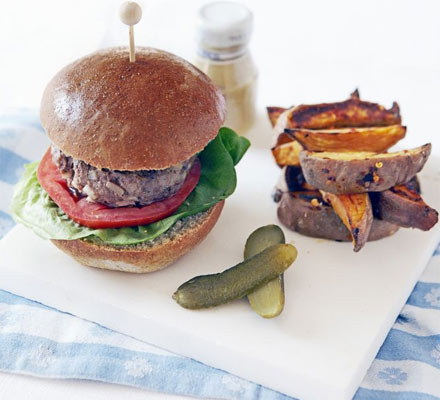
150, 114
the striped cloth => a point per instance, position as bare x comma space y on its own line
41, 341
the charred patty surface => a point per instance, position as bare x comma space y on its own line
120, 188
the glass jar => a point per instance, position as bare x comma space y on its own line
223, 33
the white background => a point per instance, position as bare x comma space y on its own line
306, 51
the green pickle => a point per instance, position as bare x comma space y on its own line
211, 290
267, 300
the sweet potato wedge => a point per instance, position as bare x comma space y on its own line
349, 113
273, 114
291, 180
287, 153
284, 138
355, 212
295, 180
375, 139
359, 172
414, 184
402, 205
307, 214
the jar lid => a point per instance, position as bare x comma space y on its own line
224, 24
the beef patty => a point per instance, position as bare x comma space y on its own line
120, 188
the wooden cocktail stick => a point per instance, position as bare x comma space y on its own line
130, 14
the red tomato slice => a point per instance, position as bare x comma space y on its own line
96, 215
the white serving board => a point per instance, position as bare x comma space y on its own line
339, 304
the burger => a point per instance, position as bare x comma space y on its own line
139, 164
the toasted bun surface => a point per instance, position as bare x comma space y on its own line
149, 256
150, 114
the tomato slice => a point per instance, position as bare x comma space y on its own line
96, 215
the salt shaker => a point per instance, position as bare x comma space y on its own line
224, 30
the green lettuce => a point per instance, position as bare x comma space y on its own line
33, 207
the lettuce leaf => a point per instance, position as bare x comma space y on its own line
33, 207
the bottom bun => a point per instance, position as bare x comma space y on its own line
322, 222
147, 256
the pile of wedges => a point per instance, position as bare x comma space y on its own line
338, 179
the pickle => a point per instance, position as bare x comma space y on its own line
262, 238
211, 290
267, 300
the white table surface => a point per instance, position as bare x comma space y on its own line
306, 52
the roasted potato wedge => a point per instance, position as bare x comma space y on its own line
414, 184
286, 149
359, 172
284, 138
287, 153
307, 214
295, 180
291, 180
375, 139
274, 113
402, 205
356, 214
349, 113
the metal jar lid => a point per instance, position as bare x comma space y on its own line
224, 25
